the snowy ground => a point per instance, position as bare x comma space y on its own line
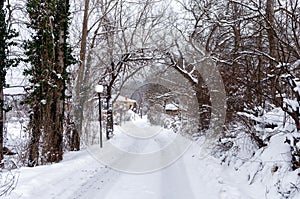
83, 174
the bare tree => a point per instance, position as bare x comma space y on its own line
115, 31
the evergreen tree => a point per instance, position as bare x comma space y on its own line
49, 55
6, 35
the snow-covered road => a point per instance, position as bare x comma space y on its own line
82, 175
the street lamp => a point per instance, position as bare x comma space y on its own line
99, 89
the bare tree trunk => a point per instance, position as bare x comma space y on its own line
204, 103
109, 117
53, 149
236, 29
81, 70
2, 75
36, 121
270, 25
260, 72
296, 119
1, 122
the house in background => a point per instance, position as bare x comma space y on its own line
124, 103
172, 109
120, 107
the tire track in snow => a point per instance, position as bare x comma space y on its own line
99, 184
92, 188
175, 182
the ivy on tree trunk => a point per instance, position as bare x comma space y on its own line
6, 34
49, 55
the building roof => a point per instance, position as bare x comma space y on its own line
124, 99
14, 91
171, 107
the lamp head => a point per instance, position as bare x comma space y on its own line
99, 88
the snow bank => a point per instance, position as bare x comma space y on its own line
268, 167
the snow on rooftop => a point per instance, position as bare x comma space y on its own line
171, 107
124, 99
14, 91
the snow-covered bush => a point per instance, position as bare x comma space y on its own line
172, 122
235, 146
8, 181
270, 166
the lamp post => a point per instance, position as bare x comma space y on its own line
99, 90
